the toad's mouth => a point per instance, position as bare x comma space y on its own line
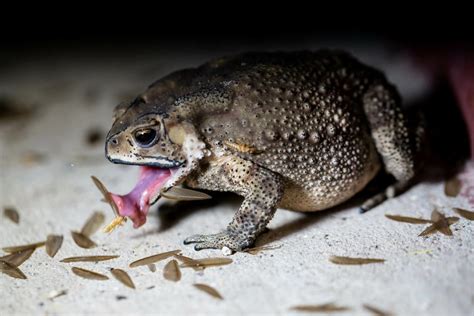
136, 203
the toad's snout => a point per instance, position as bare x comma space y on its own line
114, 147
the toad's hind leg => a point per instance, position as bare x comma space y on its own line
392, 137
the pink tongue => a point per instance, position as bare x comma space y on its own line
135, 204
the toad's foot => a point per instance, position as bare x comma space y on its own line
220, 240
390, 192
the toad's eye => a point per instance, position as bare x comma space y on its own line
146, 137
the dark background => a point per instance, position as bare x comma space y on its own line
26, 29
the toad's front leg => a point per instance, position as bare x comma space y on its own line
262, 190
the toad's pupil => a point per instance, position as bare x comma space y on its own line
145, 137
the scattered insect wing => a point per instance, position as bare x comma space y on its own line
354, 261
23, 247
406, 219
87, 274
11, 214
53, 244
17, 258
209, 290
93, 224
171, 271
465, 213
324, 308
88, 259
452, 187
82, 240
11, 270
153, 259
123, 277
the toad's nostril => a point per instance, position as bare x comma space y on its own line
114, 141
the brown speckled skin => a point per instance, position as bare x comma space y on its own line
303, 131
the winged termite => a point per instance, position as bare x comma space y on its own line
118, 221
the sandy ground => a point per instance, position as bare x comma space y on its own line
431, 275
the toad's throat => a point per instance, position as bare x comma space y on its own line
136, 203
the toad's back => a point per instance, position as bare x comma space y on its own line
302, 115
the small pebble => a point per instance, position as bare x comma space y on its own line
226, 251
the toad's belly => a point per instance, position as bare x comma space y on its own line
324, 193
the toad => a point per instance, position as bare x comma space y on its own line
303, 131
